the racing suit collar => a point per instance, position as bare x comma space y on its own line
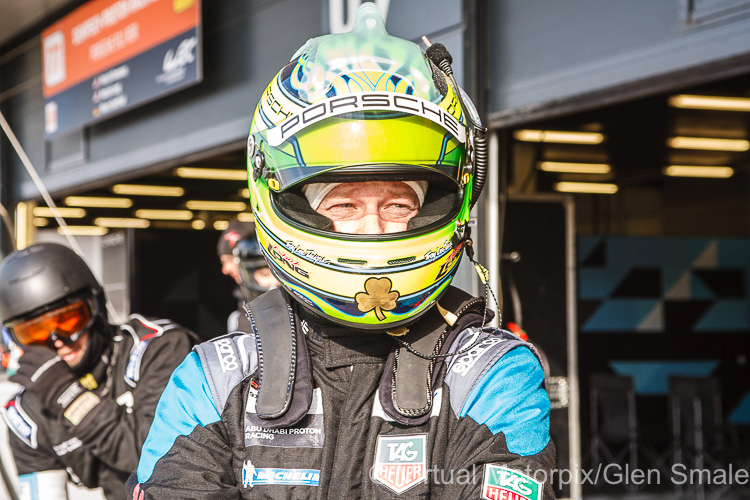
337, 347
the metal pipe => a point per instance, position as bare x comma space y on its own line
492, 224
574, 414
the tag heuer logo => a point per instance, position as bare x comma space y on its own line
507, 484
400, 461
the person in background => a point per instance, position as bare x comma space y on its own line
89, 388
242, 259
365, 375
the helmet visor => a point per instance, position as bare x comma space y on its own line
65, 323
382, 142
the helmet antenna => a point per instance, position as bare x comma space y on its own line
478, 153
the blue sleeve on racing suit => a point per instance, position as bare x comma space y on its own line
511, 399
187, 395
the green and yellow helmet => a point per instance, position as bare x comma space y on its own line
361, 106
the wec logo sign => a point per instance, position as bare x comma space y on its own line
184, 55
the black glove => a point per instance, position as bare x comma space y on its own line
48, 377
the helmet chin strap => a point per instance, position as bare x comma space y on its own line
99, 337
450, 318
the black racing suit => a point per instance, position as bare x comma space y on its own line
103, 449
487, 434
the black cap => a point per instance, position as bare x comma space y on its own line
232, 235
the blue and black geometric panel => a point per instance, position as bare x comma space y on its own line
682, 315
640, 283
723, 283
595, 255
651, 377
686, 285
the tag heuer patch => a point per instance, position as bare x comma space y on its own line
400, 461
508, 484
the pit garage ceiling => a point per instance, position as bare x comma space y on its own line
19, 15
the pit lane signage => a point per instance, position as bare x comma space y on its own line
501, 483
109, 56
400, 461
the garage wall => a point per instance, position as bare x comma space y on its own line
548, 58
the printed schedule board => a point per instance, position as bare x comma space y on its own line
108, 56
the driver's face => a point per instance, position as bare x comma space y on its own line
376, 207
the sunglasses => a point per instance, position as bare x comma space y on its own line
65, 323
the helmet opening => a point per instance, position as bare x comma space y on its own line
441, 204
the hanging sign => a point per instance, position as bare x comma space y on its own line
109, 56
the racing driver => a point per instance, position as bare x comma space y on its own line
377, 379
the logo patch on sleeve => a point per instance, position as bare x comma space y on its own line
400, 461
501, 483
20, 423
133, 369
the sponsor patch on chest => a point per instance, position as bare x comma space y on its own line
308, 433
252, 476
66, 447
501, 483
400, 461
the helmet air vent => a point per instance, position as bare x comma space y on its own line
355, 262
398, 262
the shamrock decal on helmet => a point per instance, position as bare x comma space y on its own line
378, 296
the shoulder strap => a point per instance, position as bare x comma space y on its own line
284, 371
227, 361
406, 387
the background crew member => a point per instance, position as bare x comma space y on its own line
88, 388
242, 259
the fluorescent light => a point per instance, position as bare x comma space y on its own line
198, 224
67, 212
84, 230
40, 222
221, 224
708, 143
23, 235
98, 201
219, 206
146, 213
145, 190
698, 171
558, 136
211, 173
121, 222
245, 193
575, 168
586, 187
246, 217
710, 102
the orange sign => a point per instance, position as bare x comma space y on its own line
103, 33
